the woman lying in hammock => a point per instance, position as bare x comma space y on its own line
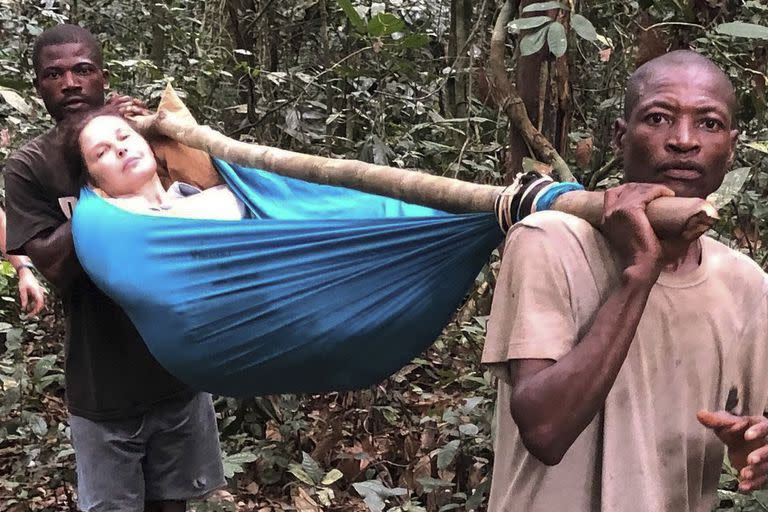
120, 163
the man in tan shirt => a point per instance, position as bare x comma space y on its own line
611, 346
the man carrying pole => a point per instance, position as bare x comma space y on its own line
613, 346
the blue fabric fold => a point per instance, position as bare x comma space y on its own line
324, 289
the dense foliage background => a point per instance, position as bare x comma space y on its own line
400, 82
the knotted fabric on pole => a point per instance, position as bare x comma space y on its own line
323, 289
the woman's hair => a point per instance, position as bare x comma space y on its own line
70, 130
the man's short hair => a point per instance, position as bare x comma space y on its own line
66, 34
676, 58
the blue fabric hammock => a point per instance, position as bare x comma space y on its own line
324, 289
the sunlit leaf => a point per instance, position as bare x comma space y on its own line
384, 24
15, 100
741, 29
374, 493
731, 186
759, 145
332, 476
296, 470
354, 17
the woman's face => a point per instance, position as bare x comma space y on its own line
119, 160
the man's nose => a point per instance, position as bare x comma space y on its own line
683, 137
71, 82
121, 152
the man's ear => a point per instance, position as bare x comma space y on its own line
619, 131
105, 77
734, 140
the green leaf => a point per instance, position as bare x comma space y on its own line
730, 188
332, 476
531, 43
234, 463
43, 366
38, 425
312, 468
384, 24
759, 145
527, 23
432, 484
583, 27
15, 100
298, 471
740, 29
414, 41
374, 493
469, 429
242, 458
545, 6
556, 39
354, 18
446, 455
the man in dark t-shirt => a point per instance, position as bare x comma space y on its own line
142, 439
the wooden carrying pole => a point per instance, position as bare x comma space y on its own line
670, 217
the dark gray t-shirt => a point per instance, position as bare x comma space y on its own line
110, 373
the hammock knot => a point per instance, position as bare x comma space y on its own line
530, 192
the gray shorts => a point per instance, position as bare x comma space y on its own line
169, 453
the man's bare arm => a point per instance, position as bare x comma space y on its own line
18, 261
54, 255
553, 402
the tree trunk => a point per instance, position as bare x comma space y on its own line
159, 20
242, 39
507, 97
544, 87
457, 86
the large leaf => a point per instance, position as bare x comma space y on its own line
384, 24
332, 476
447, 453
759, 145
531, 43
556, 39
414, 41
309, 471
354, 17
731, 186
545, 6
234, 463
15, 100
583, 27
527, 23
374, 493
741, 29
